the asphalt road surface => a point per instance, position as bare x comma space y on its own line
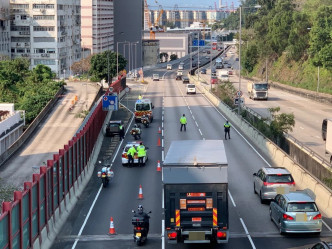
250, 225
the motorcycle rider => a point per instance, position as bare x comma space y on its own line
145, 216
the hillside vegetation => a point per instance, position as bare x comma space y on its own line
292, 37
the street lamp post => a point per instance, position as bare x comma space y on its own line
117, 56
240, 43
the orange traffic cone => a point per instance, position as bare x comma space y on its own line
112, 229
158, 166
159, 131
158, 142
140, 192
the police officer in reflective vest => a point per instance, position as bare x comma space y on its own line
183, 122
131, 154
121, 128
141, 153
227, 128
140, 96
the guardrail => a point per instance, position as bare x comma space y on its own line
33, 219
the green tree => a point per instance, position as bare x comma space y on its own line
173, 57
250, 58
41, 74
107, 61
280, 123
321, 37
163, 57
82, 67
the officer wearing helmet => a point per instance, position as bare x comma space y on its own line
146, 217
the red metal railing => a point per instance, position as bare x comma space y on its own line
23, 219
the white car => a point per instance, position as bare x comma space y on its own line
169, 66
191, 88
155, 77
125, 150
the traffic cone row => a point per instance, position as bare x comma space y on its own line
112, 229
159, 144
158, 166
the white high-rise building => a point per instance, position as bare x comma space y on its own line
4, 30
47, 32
97, 25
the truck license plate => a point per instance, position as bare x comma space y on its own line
196, 219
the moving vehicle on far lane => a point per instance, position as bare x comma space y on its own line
258, 90
155, 77
191, 88
169, 66
185, 79
296, 212
143, 107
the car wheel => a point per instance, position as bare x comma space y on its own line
255, 189
260, 196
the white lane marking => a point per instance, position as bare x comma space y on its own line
162, 124
237, 131
162, 143
87, 216
191, 112
162, 132
188, 106
247, 233
327, 226
162, 156
162, 234
200, 132
193, 117
196, 123
230, 196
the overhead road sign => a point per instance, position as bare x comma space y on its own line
110, 103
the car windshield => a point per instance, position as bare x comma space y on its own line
114, 125
260, 86
191, 86
302, 207
279, 178
143, 107
127, 148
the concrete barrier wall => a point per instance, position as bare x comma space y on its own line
302, 177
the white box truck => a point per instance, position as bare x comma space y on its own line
223, 75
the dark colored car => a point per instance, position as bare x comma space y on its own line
208, 52
185, 79
178, 77
324, 128
203, 71
194, 64
322, 245
113, 128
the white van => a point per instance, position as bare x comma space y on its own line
191, 88
169, 66
181, 66
223, 75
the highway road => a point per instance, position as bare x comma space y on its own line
250, 225
308, 113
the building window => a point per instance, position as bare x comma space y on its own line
43, 28
44, 39
19, 6
43, 17
44, 62
43, 6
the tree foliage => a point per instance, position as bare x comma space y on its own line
105, 62
29, 90
82, 67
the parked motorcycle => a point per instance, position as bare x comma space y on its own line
106, 174
140, 229
145, 121
136, 132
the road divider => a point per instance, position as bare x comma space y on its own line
302, 177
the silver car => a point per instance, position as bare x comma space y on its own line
296, 212
268, 182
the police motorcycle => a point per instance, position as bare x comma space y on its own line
136, 132
141, 225
105, 174
145, 120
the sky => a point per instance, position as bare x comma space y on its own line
169, 4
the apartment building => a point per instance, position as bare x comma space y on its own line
4, 30
47, 32
97, 25
187, 18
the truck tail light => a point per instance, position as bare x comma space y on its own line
172, 235
183, 204
209, 203
221, 235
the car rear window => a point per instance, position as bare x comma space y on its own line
191, 86
286, 178
302, 207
